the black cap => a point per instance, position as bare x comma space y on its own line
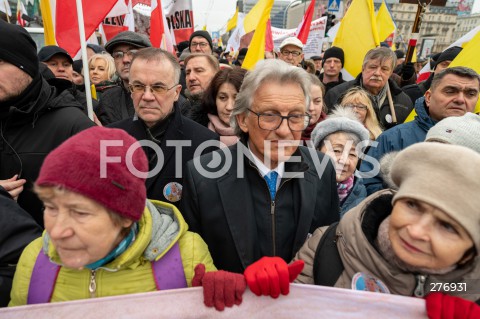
96, 48
316, 58
78, 66
203, 34
18, 48
448, 55
334, 52
46, 53
128, 37
400, 54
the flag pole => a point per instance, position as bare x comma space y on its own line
6, 10
83, 45
412, 43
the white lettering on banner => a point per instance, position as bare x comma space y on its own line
314, 41
304, 301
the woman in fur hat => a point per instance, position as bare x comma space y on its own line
339, 136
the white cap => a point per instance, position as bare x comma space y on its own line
292, 41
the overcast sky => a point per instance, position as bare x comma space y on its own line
215, 13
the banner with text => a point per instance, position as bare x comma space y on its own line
315, 38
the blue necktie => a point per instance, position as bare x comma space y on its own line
271, 179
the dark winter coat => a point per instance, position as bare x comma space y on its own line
236, 217
31, 126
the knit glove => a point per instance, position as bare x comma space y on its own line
442, 306
408, 71
220, 288
272, 276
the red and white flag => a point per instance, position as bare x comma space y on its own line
21, 11
160, 35
304, 27
64, 18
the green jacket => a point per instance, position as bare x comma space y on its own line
159, 228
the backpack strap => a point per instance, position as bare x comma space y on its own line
327, 264
42, 282
168, 270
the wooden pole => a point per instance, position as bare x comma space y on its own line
412, 43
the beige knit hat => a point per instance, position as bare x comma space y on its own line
444, 176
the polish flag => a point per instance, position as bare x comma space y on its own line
304, 27
21, 11
160, 35
64, 14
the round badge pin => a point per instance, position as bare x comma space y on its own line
388, 118
173, 192
367, 282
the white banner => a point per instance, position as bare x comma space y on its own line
315, 37
304, 301
179, 15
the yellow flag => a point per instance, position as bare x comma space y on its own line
469, 57
253, 18
385, 24
48, 30
357, 34
256, 49
232, 23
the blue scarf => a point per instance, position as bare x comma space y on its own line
122, 246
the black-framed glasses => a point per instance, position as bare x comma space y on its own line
293, 53
271, 122
120, 54
360, 107
201, 44
154, 89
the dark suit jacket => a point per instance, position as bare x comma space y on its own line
180, 128
234, 214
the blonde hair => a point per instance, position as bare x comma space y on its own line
108, 60
371, 121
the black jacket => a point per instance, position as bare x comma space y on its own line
331, 85
175, 127
235, 216
30, 127
401, 102
116, 105
17, 230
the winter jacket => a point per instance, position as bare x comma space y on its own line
116, 105
396, 139
401, 102
356, 234
331, 85
17, 230
416, 91
235, 215
159, 228
356, 196
31, 126
173, 128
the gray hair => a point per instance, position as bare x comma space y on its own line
271, 71
382, 53
460, 71
155, 54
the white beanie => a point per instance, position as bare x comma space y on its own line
458, 130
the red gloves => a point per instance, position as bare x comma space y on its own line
442, 306
272, 275
220, 288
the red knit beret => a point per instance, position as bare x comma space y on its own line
94, 163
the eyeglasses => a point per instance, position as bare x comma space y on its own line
201, 44
356, 107
271, 122
293, 53
154, 89
120, 54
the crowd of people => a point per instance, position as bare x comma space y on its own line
195, 172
